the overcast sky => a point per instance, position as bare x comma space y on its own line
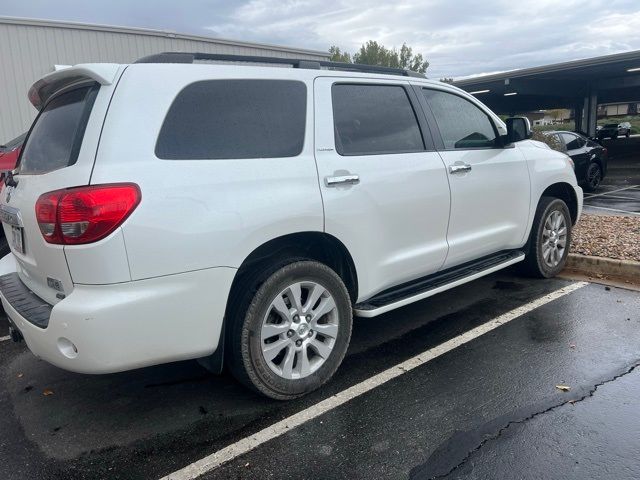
458, 38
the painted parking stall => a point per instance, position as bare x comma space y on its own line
155, 422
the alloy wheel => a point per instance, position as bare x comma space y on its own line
299, 330
554, 238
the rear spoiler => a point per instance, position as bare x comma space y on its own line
103, 73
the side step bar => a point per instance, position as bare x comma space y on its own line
425, 287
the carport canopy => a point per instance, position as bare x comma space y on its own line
580, 85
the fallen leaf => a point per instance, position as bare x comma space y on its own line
572, 345
20, 375
47, 392
246, 465
564, 388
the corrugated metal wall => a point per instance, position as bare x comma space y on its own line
30, 49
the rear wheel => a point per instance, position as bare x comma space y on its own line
294, 331
594, 176
628, 134
550, 239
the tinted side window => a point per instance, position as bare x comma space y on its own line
374, 119
462, 125
215, 119
573, 142
55, 138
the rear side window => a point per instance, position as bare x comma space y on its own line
215, 119
56, 135
462, 124
573, 142
374, 119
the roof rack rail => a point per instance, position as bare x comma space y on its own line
189, 57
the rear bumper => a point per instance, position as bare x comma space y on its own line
112, 328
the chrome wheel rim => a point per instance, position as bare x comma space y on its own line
554, 239
299, 330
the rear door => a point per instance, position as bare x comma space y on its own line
58, 153
384, 187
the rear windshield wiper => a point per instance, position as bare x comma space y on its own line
9, 181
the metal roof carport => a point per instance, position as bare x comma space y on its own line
578, 85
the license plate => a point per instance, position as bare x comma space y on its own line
17, 239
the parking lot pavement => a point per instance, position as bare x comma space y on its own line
433, 420
619, 193
611, 200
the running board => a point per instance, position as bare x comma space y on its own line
425, 287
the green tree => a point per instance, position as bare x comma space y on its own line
410, 61
338, 55
374, 53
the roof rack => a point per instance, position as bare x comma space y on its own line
189, 57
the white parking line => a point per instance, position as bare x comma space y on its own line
611, 210
247, 444
615, 197
591, 195
4, 339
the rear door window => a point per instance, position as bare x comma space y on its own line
235, 119
56, 135
374, 119
573, 142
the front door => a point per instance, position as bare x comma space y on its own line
384, 188
490, 186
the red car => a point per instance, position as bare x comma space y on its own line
9, 154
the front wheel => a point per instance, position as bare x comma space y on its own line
550, 239
628, 134
294, 333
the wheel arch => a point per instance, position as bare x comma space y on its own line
565, 192
319, 246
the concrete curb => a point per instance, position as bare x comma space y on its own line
591, 266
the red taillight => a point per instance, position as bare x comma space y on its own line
85, 214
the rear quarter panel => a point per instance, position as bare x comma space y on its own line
198, 214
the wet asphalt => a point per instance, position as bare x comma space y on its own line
619, 193
487, 409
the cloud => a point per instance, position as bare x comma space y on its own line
458, 38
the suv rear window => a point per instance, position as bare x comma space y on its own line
56, 135
216, 119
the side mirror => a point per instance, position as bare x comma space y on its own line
518, 128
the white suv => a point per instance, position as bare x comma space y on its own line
241, 214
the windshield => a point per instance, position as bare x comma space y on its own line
56, 135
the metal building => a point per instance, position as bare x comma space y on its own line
31, 48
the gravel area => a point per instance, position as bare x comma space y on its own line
607, 236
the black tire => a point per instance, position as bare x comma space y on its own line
534, 263
628, 134
593, 177
244, 353
614, 137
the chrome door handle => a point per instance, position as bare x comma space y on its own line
459, 168
342, 180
